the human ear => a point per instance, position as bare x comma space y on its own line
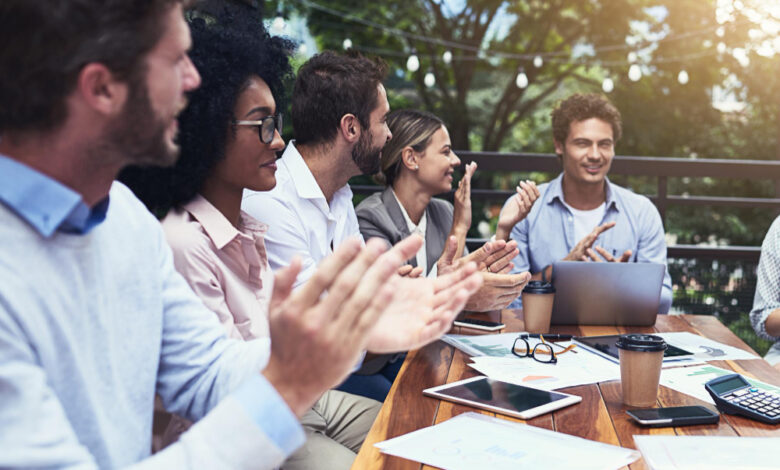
558, 147
410, 158
350, 127
100, 89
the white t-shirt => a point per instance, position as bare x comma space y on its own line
586, 221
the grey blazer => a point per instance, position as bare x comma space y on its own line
379, 215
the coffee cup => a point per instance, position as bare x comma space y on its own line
538, 299
641, 357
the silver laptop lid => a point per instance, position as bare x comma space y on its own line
621, 294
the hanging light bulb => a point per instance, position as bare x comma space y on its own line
347, 44
413, 62
447, 57
522, 79
538, 61
303, 49
429, 79
632, 57
607, 85
634, 73
278, 24
682, 77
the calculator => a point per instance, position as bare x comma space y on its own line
735, 395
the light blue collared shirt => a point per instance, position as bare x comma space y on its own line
547, 233
94, 320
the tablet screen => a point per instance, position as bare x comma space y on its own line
606, 344
501, 394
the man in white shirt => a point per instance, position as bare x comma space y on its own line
339, 109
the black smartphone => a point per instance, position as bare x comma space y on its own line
674, 416
485, 325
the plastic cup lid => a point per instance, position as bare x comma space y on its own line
539, 287
640, 342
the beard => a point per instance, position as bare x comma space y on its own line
367, 158
138, 137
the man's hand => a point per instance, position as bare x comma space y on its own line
423, 309
580, 250
517, 209
497, 291
408, 270
606, 256
319, 332
493, 257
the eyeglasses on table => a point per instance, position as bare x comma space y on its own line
542, 352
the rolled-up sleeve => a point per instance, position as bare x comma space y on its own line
767, 297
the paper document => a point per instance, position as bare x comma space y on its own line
706, 349
709, 452
691, 380
471, 440
498, 345
571, 370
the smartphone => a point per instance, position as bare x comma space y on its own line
674, 416
485, 325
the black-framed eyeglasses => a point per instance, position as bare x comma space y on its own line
542, 352
265, 127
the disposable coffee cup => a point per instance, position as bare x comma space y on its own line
538, 299
640, 368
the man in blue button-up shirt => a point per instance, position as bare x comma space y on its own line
581, 215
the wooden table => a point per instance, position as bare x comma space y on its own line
599, 417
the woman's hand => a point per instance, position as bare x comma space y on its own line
517, 209
461, 217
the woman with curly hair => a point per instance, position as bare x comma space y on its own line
229, 137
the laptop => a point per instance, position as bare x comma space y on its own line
619, 294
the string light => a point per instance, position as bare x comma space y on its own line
429, 79
303, 49
538, 61
447, 57
347, 44
607, 85
278, 24
682, 77
413, 63
522, 79
634, 73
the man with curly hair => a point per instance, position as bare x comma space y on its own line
581, 215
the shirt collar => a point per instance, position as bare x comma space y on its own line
45, 203
302, 177
217, 226
411, 225
555, 191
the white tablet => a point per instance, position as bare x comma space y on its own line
502, 397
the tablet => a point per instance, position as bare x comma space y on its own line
606, 347
502, 397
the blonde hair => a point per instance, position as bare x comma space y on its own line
410, 128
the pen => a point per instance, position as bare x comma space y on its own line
549, 337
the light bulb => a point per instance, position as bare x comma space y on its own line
607, 85
413, 63
538, 61
522, 80
447, 57
429, 80
278, 24
347, 44
634, 73
682, 77
303, 49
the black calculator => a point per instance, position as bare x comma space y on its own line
734, 395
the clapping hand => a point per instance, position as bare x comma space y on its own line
516, 209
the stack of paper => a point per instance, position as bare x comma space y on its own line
691, 380
471, 441
709, 452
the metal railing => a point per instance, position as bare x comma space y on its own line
660, 167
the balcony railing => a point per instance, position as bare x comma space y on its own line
660, 167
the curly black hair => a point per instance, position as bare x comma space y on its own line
227, 57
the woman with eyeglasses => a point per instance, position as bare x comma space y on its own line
230, 137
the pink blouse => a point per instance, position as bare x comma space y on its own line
226, 267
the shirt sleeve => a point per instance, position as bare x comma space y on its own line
767, 297
519, 234
652, 249
286, 235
